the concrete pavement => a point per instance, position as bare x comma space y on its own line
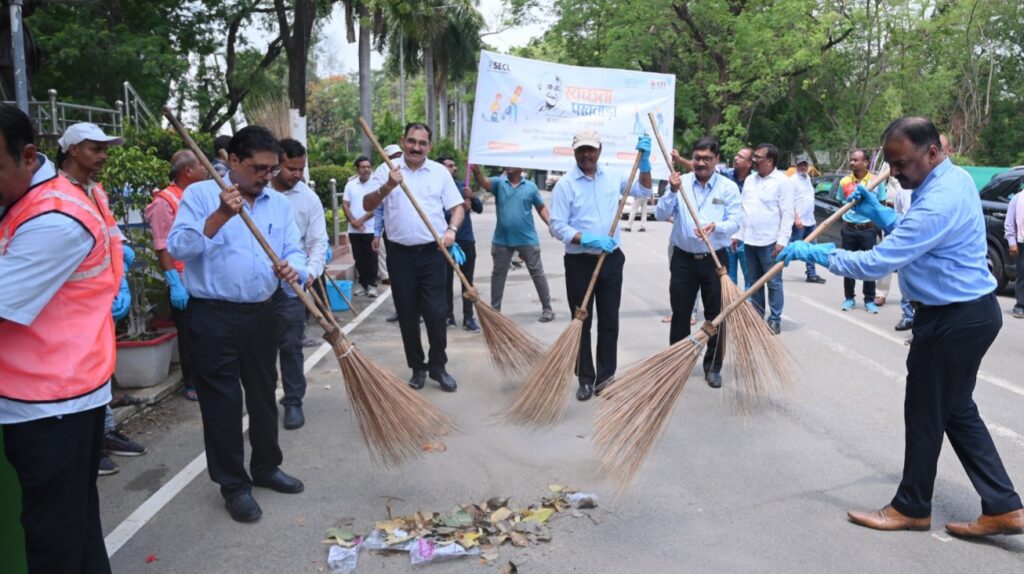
721, 492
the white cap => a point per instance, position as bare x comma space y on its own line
586, 137
83, 131
392, 150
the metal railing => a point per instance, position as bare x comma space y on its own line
51, 117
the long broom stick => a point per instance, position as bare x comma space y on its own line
543, 398
747, 335
512, 349
394, 420
634, 411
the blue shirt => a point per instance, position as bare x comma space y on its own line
717, 202
730, 172
939, 246
514, 204
465, 232
584, 204
232, 266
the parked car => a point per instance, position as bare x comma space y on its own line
827, 201
995, 198
552, 179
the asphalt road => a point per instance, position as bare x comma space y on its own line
721, 492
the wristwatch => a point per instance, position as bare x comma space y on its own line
453, 229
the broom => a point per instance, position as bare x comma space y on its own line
543, 398
748, 336
394, 420
633, 412
512, 349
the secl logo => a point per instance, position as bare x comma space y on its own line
500, 67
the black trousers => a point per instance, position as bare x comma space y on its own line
469, 249
858, 240
942, 368
291, 327
366, 258
690, 274
236, 342
417, 282
607, 294
180, 318
56, 461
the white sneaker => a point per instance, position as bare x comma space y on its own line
371, 292
358, 291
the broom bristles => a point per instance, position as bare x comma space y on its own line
512, 350
633, 410
543, 398
759, 361
394, 420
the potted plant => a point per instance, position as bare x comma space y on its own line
143, 355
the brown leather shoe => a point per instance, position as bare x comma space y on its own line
985, 525
889, 518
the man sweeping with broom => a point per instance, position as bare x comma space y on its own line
717, 202
584, 204
939, 247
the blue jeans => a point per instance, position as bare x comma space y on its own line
799, 235
738, 256
908, 310
759, 261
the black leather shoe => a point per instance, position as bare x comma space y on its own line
279, 481
586, 391
419, 378
905, 325
714, 380
815, 279
775, 326
243, 508
446, 381
393, 318
293, 417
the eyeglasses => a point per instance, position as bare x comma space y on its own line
703, 158
264, 170
421, 143
756, 157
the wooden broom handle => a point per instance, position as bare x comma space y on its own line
416, 204
778, 267
611, 233
689, 206
191, 144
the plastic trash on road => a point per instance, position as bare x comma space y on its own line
342, 560
582, 499
424, 551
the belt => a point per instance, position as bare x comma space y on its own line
695, 256
420, 247
919, 306
595, 256
858, 226
229, 305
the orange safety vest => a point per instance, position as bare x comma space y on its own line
68, 351
172, 194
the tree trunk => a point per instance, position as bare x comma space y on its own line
442, 93
428, 75
298, 53
365, 86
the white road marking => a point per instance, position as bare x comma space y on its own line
155, 503
991, 379
1003, 432
940, 537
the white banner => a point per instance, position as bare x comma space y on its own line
527, 111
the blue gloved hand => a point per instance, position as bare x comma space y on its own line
868, 206
810, 252
457, 253
129, 255
602, 242
329, 255
122, 302
179, 295
643, 145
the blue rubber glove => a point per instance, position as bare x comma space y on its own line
329, 255
179, 295
643, 145
810, 252
868, 206
129, 256
602, 242
457, 253
122, 302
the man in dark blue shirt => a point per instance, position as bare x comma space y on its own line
467, 241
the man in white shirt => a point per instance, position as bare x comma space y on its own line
803, 209
291, 313
360, 228
415, 264
766, 226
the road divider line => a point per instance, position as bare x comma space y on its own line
159, 499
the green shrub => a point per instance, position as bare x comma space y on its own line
322, 175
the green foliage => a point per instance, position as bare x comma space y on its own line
163, 143
321, 175
389, 130
446, 146
342, 222
130, 175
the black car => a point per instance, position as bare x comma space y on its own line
827, 201
995, 199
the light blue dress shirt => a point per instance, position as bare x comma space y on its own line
939, 246
717, 202
232, 266
584, 204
